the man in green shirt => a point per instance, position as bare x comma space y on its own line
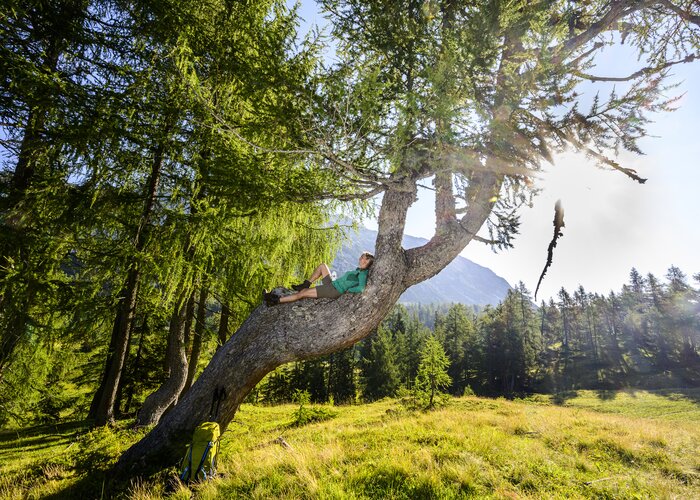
352, 282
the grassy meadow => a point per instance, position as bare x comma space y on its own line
627, 445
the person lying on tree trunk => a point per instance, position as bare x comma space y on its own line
352, 281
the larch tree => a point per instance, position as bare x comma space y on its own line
474, 95
45, 93
432, 375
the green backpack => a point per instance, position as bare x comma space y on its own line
199, 462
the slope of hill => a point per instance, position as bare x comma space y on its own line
461, 281
580, 445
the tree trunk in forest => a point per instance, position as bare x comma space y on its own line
126, 308
189, 319
101, 388
156, 403
175, 362
223, 325
123, 380
196, 339
136, 367
104, 410
329, 386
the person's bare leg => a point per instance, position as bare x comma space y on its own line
320, 272
307, 293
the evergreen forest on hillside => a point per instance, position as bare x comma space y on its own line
647, 335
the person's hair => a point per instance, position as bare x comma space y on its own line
370, 257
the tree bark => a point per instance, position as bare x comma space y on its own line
223, 325
189, 318
156, 403
124, 379
135, 372
108, 364
104, 410
196, 339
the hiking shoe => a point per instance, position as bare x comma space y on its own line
270, 298
301, 286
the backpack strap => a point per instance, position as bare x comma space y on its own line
201, 462
216, 455
185, 476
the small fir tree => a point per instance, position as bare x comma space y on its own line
432, 375
381, 374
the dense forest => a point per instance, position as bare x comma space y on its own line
645, 336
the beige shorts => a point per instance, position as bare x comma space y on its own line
326, 290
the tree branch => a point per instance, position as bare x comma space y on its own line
685, 15
444, 200
642, 72
366, 195
558, 225
328, 155
571, 139
427, 260
617, 11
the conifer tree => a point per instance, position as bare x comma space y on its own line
432, 375
380, 374
341, 376
460, 340
49, 93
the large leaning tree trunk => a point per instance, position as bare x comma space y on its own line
273, 336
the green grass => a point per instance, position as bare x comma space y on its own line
666, 404
584, 445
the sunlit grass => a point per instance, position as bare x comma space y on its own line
582, 447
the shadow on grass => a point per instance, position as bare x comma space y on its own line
40, 436
99, 485
560, 398
691, 394
92, 486
103, 484
606, 394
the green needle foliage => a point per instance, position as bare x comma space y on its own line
432, 376
147, 156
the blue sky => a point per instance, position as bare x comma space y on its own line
612, 222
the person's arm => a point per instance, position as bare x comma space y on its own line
362, 278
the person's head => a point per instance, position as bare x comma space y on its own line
366, 260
